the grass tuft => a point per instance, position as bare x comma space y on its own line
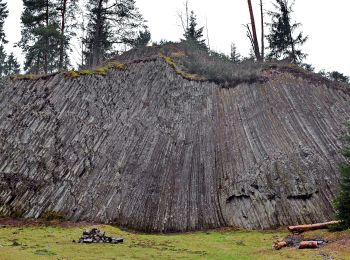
25, 77
51, 215
181, 72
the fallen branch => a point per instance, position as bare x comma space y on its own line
303, 228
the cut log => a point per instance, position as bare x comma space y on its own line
308, 244
279, 245
303, 228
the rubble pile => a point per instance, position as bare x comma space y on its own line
97, 236
300, 242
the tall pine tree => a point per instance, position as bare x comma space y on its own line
40, 36
111, 23
3, 15
46, 31
283, 40
68, 23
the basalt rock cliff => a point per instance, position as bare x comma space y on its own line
145, 148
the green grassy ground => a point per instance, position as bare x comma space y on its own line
56, 243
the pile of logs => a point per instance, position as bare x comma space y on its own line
296, 240
299, 242
97, 236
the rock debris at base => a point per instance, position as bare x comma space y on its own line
300, 241
97, 236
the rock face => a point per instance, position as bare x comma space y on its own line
146, 149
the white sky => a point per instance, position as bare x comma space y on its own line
325, 21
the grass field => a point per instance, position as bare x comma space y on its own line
55, 242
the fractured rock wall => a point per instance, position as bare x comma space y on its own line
146, 149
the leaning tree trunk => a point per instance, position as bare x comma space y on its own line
255, 39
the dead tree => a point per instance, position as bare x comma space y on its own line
255, 39
303, 228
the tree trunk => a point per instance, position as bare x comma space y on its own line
96, 56
255, 39
46, 39
293, 47
262, 32
63, 24
303, 228
294, 58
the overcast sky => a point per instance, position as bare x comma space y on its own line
325, 21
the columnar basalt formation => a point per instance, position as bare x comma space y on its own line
146, 149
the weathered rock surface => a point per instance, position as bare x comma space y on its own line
97, 236
146, 149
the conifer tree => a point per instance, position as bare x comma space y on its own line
67, 14
46, 31
192, 34
40, 36
142, 40
110, 23
3, 15
2, 61
342, 202
282, 40
338, 76
11, 66
235, 57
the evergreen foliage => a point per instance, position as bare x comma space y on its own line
235, 57
68, 10
45, 34
142, 40
110, 23
339, 77
3, 15
40, 36
12, 66
342, 202
194, 35
282, 42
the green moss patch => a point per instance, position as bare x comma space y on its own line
25, 77
103, 70
189, 76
